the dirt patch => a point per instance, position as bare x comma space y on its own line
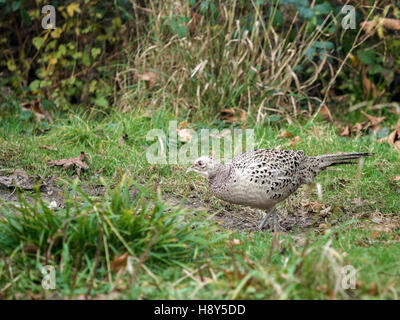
293, 216
50, 193
298, 213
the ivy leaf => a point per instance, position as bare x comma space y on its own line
16, 5
323, 8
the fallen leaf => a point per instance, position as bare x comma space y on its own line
150, 77
294, 141
47, 147
390, 138
72, 162
368, 85
346, 132
374, 120
36, 108
375, 235
183, 124
359, 126
119, 262
236, 242
285, 134
393, 138
30, 248
232, 115
325, 113
397, 178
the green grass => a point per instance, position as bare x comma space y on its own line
181, 253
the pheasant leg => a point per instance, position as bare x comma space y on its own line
265, 219
276, 225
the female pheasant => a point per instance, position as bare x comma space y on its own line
263, 178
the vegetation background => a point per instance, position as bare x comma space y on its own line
115, 226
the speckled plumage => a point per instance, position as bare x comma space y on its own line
263, 178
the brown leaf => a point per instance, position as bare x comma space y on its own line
150, 77
183, 124
47, 147
242, 115
36, 108
72, 162
397, 178
119, 262
294, 141
390, 138
232, 115
30, 248
346, 131
325, 113
359, 126
375, 235
368, 85
236, 242
285, 134
374, 120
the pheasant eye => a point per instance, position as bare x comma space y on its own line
200, 163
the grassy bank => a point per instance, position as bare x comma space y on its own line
121, 207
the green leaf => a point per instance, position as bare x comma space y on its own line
95, 52
101, 102
16, 5
34, 85
25, 16
323, 8
367, 57
37, 42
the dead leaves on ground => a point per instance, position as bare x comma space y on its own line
149, 77
71, 163
287, 135
36, 108
119, 262
393, 139
374, 123
326, 113
232, 115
